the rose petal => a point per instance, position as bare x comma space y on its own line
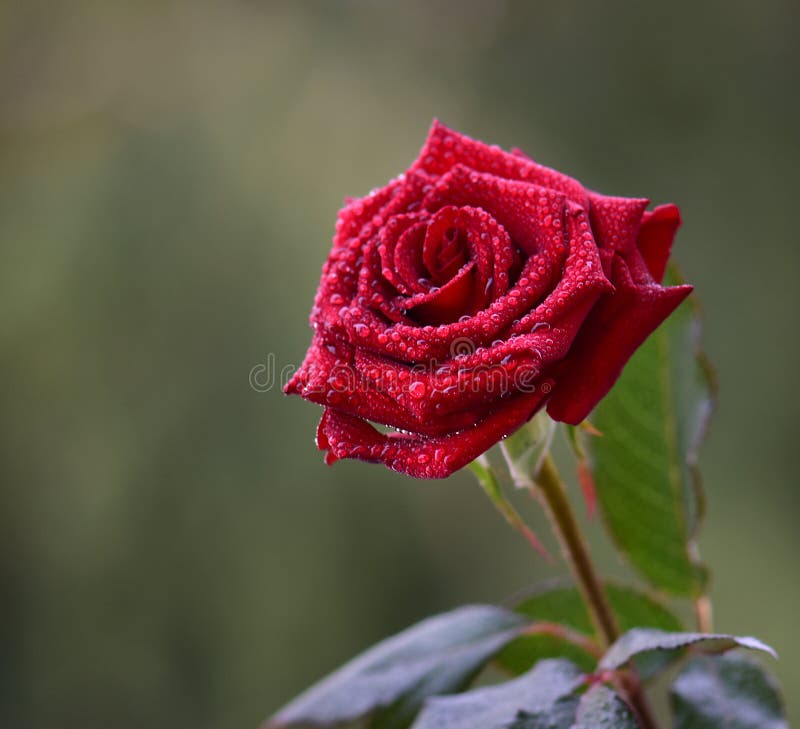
655, 237
388, 238
468, 382
373, 287
408, 263
582, 277
441, 305
616, 220
356, 224
615, 329
446, 256
344, 436
531, 215
332, 380
410, 343
445, 148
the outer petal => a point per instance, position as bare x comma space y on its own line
614, 330
582, 277
356, 225
473, 382
655, 237
344, 436
329, 376
616, 220
445, 148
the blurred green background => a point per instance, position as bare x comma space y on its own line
173, 552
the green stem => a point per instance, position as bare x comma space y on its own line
552, 492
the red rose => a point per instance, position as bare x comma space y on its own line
468, 293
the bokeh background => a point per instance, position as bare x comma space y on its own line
173, 552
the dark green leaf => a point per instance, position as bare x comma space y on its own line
601, 708
644, 464
560, 715
726, 692
439, 655
643, 640
525, 651
538, 692
564, 605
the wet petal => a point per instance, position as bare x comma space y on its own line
343, 436
615, 220
655, 238
328, 379
446, 148
441, 305
614, 330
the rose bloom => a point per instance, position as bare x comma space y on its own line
470, 292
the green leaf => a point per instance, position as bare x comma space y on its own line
726, 692
561, 715
564, 605
535, 696
652, 423
439, 655
601, 708
644, 640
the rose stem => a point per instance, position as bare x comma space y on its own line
552, 492
574, 548
704, 614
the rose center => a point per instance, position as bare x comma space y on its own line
443, 266
446, 256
